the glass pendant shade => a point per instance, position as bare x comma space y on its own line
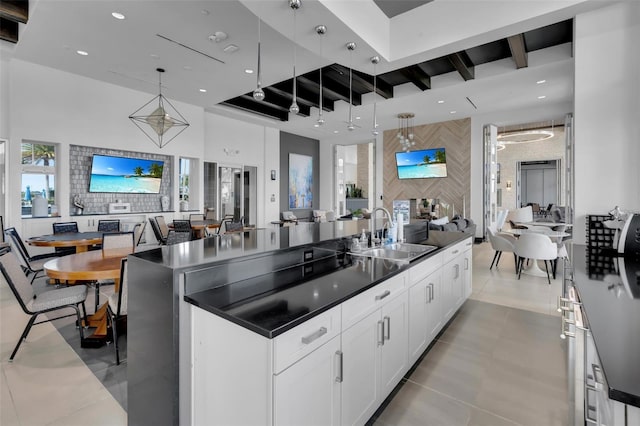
163, 123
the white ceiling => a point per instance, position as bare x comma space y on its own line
127, 52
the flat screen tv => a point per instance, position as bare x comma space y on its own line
424, 163
125, 174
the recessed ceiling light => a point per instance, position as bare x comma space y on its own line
452, 112
204, 11
231, 48
118, 15
358, 118
541, 81
154, 56
336, 131
440, 101
187, 68
248, 71
541, 97
203, 90
316, 125
81, 52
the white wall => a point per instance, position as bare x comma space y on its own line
251, 145
607, 99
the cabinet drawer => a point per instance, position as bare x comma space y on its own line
424, 268
456, 249
363, 304
305, 338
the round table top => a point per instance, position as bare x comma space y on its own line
542, 231
547, 224
90, 265
67, 239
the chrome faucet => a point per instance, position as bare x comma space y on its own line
372, 221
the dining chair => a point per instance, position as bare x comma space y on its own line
61, 228
30, 264
138, 232
501, 243
4, 245
109, 225
501, 218
523, 214
210, 215
196, 216
48, 301
156, 231
118, 241
223, 223
536, 247
162, 226
176, 237
117, 307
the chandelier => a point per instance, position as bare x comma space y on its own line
163, 119
405, 130
536, 135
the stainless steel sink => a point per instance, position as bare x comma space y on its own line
403, 252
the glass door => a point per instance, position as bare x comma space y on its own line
238, 193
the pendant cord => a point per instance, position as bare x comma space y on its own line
259, 41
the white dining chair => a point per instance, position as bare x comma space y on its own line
521, 215
501, 218
501, 243
536, 247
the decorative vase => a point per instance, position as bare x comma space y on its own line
39, 207
184, 206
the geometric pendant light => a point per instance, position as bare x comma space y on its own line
162, 118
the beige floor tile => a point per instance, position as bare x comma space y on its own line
106, 412
8, 414
482, 418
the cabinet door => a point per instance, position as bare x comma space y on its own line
360, 387
435, 309
467, 273
450, 275
308, 392
419, 299
393, 352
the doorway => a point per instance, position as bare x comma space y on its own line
539, 182
237, 192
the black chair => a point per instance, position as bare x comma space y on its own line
162, 226
61, 228
156, 231
52, 300
4, 246
176, 237
30, 264
109, 225
182, 225
138, 232
196, 216
117, 308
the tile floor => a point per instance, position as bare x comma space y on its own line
500, 362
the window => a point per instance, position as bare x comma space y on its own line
184, 172
38, 174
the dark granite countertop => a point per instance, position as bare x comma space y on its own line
611, 302
273, 303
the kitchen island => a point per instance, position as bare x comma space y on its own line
211, 321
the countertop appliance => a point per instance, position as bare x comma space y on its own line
628, 243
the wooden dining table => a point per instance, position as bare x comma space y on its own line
90, 266
198, 226
80, 240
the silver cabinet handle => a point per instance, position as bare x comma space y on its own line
590, 408
597, 376
383, 295
314, 336
430, 292
380, 333
466, 263
433, 292
387, 335
468, 244
457, 268
455, 252
339, 377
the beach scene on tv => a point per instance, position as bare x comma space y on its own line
120, 174
425, 163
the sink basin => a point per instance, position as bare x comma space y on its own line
403, 252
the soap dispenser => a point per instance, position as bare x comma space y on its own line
364, 242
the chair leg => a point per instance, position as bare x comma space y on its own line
97, 295
24, 335
495, 256
520, 263
515, 259
554, 267
80, 322
499, 257
114, 333
547, 269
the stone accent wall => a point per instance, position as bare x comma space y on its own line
79, 175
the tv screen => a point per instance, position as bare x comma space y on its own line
425, 163
123, 174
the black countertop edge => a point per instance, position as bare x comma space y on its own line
625, 397
435, 238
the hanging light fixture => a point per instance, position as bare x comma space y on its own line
163, 120
294, 108
405, 130
374, 130
320, 30
351, 46
258, 94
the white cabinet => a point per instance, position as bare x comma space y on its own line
456, 277
425, 314
467, 263
308, 392
375, 357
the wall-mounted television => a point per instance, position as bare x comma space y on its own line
424, 163
125, 174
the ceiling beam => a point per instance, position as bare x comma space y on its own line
518, 50
417, 76
251, 105
8, 30
460, 61
304, 96
305, 110
365, 80
314, 88
15, 10
335, 90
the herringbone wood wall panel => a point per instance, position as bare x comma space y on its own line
455, 137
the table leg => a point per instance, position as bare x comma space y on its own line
82, 249
534, 270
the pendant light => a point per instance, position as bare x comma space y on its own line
258, 94
163, 119
374, 130
320, 30
351, 46
294, 108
